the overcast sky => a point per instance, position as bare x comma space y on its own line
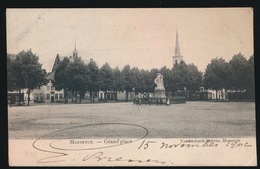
144, 38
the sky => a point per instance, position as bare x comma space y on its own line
141, 37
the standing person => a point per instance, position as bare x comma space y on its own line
149, 99
139, 99
168, 101
144, 98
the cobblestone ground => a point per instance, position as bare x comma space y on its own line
190, 120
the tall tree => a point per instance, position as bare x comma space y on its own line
107, 79
185, 76
128, 80
136, 79
217, 74
61, 80
250, 78
118, 80
11, 84
93, 76
77, 75
180, 76
194, 78
143, 76
238, 72
28, 72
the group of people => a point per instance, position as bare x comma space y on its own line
148, 99
142, 99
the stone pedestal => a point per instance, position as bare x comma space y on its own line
159, 93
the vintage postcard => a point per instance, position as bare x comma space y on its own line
131, 87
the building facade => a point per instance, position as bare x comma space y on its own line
47, 93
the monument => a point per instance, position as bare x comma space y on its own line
159, 91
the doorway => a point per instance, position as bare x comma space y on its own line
52, 97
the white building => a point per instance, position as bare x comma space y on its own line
47, 93
217, 95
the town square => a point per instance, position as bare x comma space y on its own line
190, 120
109, 83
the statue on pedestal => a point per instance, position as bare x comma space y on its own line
159, 82
159, 90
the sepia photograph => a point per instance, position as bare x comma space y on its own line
131, 87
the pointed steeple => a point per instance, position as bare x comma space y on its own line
177, 58
75, 52
177, 46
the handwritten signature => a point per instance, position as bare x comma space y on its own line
99, 156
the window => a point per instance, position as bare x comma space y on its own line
48, 97
52, 88
48, 87
56, 96
60, 96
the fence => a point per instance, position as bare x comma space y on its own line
159, 101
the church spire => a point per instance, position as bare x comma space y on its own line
177, 58
75, 52
177, 46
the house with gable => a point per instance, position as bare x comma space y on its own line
47, 93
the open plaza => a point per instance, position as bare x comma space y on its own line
190, 120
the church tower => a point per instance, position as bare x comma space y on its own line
75, 52
177, 58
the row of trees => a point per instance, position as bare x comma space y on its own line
237, 74
74, 75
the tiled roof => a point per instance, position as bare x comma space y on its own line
50, 76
